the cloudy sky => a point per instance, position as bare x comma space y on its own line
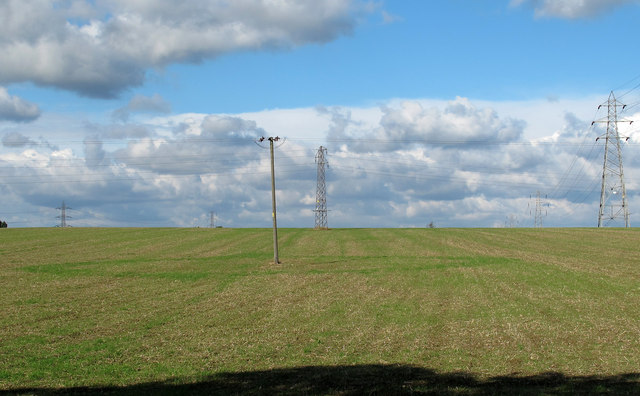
457, 112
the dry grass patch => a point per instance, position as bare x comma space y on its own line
124, 307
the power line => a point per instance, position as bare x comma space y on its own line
124, 160
627, 83
422, 170
115, 141
577, 177
571, 180
143, 175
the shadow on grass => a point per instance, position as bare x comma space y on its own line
367, 379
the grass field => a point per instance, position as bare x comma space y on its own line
458, 311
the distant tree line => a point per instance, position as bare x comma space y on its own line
3, 224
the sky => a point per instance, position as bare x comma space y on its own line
457, 113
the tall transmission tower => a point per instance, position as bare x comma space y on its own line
511, 221
63, 215
613, 195
212, 219
321, 190
539, 213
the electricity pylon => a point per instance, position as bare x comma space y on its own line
321, 191
63, 215
539, 214
613, 195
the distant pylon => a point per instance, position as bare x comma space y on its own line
212, 219
63, 215
321, 190
539, 213
613, 195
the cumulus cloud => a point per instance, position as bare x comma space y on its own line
480, 171
573, 128
99, 49
94, 153
142, 104
213, 144
417, 160
230, 128
16, 139
117, 130
13, 108
459, 123
572, 9
139, 181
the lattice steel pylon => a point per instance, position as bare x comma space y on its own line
613, 195
321, 190
63, 215
539, 214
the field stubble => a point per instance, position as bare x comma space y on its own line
118, 307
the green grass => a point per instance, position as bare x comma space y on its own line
463, 311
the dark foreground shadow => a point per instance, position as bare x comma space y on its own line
368, 380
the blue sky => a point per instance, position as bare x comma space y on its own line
482, 50
102, 104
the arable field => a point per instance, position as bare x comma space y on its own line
348, 311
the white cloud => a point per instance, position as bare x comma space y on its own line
382, 169
142, 104
572, 9
388, 18
15, 139
410, 123
100, 49
459, 122
13, 108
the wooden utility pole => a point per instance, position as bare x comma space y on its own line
276, 259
